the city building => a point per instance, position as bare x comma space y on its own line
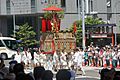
14, 13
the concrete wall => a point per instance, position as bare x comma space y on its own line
3, 7
71, 14
3, 26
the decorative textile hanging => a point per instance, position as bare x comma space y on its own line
74, 45
58, 45
75, 28
70, 45
59, 24
43, 25
53, 46
49, 26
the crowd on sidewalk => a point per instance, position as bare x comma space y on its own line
16, 71
107, 56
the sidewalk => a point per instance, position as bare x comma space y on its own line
97, 68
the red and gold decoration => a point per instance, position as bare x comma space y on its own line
52, 39
53, 24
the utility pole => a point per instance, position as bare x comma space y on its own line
83, 25
13, 18
78, 9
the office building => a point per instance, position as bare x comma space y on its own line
30, 11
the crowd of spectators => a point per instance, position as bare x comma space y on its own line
16, 71
64, 63
100, 56
109, 74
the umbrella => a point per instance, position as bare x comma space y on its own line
52, 8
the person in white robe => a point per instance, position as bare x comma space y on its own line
78, 59
26, 58
36, 59
18, 57
55, 61
63, 60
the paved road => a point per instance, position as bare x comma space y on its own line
92, 73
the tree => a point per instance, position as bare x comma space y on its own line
26, 35
88, 21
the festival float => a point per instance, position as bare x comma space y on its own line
52, 38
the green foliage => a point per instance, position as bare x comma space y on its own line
92, 21
27, 35
60, 14
49, 15
88, 21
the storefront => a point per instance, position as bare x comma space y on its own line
101, 34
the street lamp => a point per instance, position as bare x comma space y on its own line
13, 18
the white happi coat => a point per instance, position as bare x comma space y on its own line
63, 59
42, 59
55, 58
26, 58
36, 58
78, 58
18, 57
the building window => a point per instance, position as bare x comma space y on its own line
79, 4
63, 3
8, 6
56, 2
42, 1
32, 5
53, 1
91, 5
